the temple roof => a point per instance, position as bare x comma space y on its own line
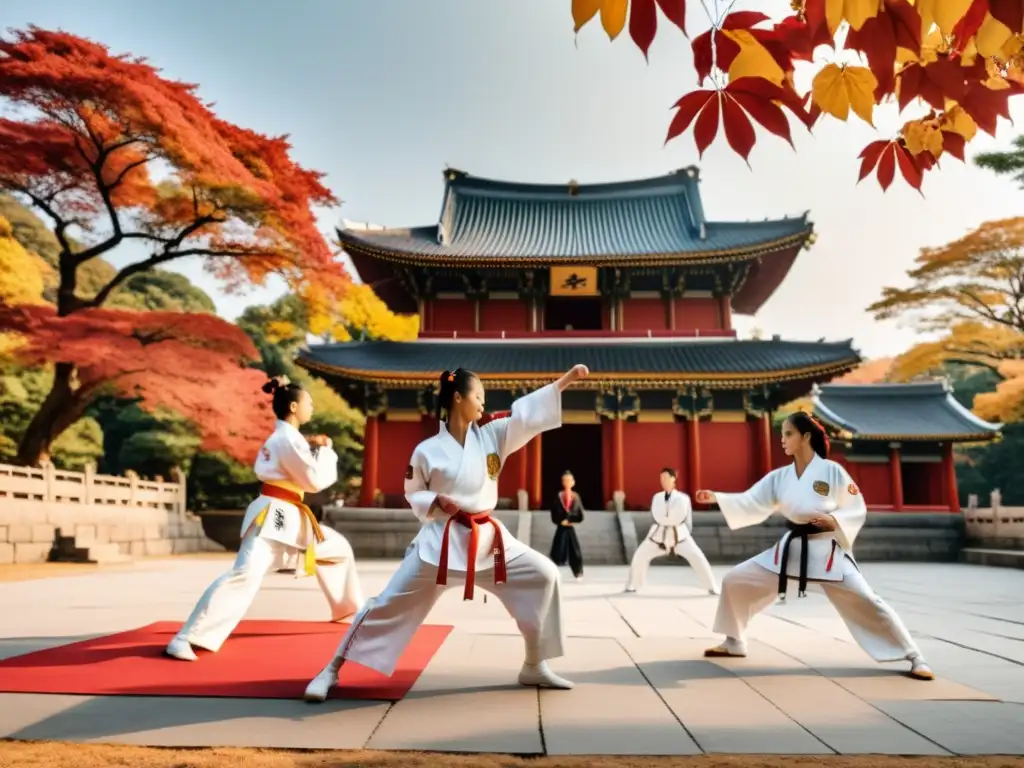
638, 363
646, 222
915, 411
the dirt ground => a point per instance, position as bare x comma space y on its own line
59, 755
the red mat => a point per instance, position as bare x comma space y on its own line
261, 659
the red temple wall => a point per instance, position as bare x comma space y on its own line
647, 314
508, 480
397, 439
647, 447
874, 481
727, 456
452, 315
703, 314
504, 315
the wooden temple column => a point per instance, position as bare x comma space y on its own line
896, 477
949, 476
371, 448
534, 455
725, 312
618, 449
693, 433
524, 471
765, 429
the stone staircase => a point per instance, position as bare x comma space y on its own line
83, 548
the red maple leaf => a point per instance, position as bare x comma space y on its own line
886, 155
733, 106
898, 25
643, 19
197, 365
1009, 12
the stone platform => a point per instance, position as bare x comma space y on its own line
643, 687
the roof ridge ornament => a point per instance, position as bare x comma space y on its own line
574, 188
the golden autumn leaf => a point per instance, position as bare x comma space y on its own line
613, 16
836, 90
583, 11
753, 59
943, 13
923, 136
856, 12
992, 36
958, 121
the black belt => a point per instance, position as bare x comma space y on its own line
801, 532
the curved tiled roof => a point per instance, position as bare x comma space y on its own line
918, 410
640, 362
654, 220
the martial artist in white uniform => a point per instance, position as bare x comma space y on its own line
276, 526
824, 511
670, 534
452, 486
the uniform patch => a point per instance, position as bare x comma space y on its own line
266, 453
820, 487
493, 465
278, 520
408, 472
852, 489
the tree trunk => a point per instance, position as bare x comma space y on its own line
63, 406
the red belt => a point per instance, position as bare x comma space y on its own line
471, 521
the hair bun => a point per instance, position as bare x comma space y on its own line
275, 383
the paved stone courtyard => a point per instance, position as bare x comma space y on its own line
642, 685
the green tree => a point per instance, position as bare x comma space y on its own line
1004, 163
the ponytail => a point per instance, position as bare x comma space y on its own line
806, 424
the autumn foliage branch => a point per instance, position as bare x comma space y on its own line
960, 59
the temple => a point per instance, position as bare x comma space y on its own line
896, 440
518, 282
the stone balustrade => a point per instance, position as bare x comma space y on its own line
53, 514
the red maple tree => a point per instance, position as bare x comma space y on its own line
193, 364
111, 152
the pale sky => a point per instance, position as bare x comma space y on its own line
382, 94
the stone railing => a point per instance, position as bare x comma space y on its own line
995, 525
52, 514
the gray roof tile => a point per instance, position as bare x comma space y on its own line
916, 410
483, 219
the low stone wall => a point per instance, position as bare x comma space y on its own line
48, 514
887, 536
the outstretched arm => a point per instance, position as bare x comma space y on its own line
533, 414
751, 507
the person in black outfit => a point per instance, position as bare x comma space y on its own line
566, 512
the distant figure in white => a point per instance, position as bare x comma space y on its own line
277, 527
824, 512
671, 534
452, 485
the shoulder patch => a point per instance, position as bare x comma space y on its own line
820, 487
852, 489
408, 472
266, 453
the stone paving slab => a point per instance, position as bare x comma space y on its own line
721, 711
643, 685
466, 700
612, 711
